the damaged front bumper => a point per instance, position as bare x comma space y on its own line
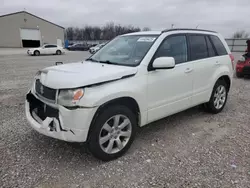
57, 121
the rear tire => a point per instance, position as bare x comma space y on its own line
119, 135
36, 53
218, 97
58, 52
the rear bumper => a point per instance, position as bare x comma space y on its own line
29, 52
63, 124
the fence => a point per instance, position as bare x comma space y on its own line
237, 45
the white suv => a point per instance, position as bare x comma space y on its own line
135, 79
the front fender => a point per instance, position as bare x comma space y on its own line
134, 87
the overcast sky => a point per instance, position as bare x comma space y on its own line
225, 16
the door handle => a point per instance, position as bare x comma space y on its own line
188, 70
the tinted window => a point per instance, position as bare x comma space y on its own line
50, 46
198, 47
218, 45
210, 48
176, 47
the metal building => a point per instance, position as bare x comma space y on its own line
23, 29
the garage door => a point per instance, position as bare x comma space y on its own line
30, 34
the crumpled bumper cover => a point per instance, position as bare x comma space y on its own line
52, 125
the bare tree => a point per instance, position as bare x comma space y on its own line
240, 34
69, 33
146, 29
107, 32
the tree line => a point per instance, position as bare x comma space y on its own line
240, 34
111, 30
107, 32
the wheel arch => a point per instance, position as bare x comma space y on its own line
127, 101
227, 79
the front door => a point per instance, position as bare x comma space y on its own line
170, 91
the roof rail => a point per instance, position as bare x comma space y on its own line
188, 29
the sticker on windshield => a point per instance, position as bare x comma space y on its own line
146, 39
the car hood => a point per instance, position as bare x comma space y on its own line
81, 74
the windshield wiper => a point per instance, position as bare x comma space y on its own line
109, 62
90, 59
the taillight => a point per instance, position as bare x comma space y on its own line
232, 60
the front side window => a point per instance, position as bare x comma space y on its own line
128, 50
174, 46
198, 47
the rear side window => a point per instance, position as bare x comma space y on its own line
221, 50
210, 48
198, 47
174, 46
50, 46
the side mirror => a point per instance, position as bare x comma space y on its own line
164, 63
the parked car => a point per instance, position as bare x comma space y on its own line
94, 49
79, 47
46, 49
243, 66
135, 79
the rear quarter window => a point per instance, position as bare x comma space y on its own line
220, 48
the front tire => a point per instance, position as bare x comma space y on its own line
218, 97
112, 132
36, 53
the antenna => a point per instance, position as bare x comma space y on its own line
172, 26
197, 26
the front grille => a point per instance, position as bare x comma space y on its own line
44, 91
246, 70
42, 110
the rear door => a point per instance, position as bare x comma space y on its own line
53, 49
203, 56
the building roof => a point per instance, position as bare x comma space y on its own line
31, 15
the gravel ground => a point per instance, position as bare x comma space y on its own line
189, 149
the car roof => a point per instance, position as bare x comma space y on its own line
171, 30
144, 33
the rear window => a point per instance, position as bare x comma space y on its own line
221, 50
198, 47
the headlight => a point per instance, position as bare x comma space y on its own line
70, 97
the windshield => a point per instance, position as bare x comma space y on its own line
126, 50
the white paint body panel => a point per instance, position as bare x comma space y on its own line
158, 93
82, 74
